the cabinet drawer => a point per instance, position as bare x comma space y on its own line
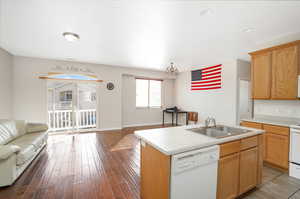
279, 130
254, 125
229, 148
248, 143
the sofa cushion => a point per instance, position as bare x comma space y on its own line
29, 144
8, 131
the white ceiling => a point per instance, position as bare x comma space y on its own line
146, 34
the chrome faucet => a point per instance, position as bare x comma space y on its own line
209, 120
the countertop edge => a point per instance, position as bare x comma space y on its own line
211, 143
268, 122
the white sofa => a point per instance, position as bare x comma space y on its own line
20, 143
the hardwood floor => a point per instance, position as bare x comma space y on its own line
106, 165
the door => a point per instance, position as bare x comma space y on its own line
228, 177
248, 169
71, 105
261, 76
285, 73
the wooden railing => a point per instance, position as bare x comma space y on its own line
67, 119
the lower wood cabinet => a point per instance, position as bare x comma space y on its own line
275, 144
240, 167
248, 169
277, 150
228, 176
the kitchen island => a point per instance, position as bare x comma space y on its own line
238, 169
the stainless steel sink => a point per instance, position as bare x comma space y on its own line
219, 131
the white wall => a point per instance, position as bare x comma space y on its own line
280, 108
133, 116
5, 84
221, 103
30, 93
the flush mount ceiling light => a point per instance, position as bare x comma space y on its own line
172, 69
69, 36
247, 30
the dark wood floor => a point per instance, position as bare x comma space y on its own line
106, 165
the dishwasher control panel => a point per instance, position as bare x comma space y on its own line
193, 159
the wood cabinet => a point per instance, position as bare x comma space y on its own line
155, 173
228, 176
275, 144
261, 76
285, 73
277, 150
274, 72
240, 167
248, 169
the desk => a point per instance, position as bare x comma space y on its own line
176, 114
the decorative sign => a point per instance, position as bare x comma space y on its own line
206, 78
71, 68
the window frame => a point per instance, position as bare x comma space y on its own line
148, 106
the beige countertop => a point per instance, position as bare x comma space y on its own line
174, 140
274, 120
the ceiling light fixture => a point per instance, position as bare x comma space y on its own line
69, 36
172, 69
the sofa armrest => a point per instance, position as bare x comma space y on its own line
36, 127
7, 150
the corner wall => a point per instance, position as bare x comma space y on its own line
6, 66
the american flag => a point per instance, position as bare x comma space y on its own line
206, 78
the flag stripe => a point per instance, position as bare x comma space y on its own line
193, 89
211, 67
214, 77
210, 81
209, 71
217, 73
204, 85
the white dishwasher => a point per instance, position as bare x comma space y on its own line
194, 174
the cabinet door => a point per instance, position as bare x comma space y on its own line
248, 169
277, 149
285, 73
228, 177
261, 76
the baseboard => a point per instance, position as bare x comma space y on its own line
108, 129
144, 124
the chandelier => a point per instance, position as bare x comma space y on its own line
172, 69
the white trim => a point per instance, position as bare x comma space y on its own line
108, 129
144, 124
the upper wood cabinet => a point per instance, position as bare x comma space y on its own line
261, 75
274, 72
285, 73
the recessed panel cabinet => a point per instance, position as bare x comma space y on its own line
275, 144
240, 167
285, 73
261, 76
274, 72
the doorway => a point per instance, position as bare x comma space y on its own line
72, 106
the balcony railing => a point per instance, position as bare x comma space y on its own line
67, 119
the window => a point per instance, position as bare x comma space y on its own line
65, 96
148, 93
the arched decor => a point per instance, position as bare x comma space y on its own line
70, 77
